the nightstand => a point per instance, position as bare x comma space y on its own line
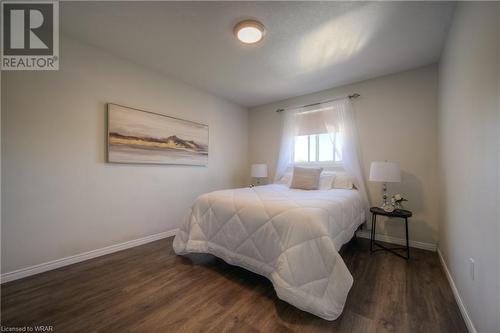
399, 213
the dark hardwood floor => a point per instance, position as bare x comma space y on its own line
150, 289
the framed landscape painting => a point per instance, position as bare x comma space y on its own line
136, 136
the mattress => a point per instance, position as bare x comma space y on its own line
292, 237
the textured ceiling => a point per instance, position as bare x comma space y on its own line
309, 46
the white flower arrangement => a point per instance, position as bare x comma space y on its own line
397, 200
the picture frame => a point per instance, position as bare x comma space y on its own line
143, 137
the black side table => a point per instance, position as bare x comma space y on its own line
401, 213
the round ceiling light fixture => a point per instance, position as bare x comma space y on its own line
249, 31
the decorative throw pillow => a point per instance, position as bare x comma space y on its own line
306, 178
326, 180
343, 181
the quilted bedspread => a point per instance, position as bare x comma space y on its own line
290, 236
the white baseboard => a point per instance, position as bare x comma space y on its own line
461, 305
50, 265
398, 241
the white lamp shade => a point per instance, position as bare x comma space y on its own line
386, 172
259, 170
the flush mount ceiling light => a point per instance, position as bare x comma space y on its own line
249, 31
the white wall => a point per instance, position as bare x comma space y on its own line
60, 197
396, 118
469, 144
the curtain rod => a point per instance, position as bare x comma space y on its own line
355, 95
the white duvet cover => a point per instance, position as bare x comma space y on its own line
290, 236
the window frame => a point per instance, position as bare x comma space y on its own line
332, 163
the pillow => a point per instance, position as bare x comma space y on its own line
343, 181
306, 178
326, 180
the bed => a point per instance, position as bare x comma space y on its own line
290, 236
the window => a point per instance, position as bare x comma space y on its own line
317, 148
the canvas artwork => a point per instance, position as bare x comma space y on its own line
136, 136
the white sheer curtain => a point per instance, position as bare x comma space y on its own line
334, 117
288, 132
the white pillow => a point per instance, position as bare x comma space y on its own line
306, 178
343, 181
326, 180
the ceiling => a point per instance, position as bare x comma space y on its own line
309, 46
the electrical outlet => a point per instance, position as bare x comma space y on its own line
472, 268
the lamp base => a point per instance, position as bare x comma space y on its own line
386, 205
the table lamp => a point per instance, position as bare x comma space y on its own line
258, 172
385, 172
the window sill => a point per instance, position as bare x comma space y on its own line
319, 164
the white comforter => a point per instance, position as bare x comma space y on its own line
290, 236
